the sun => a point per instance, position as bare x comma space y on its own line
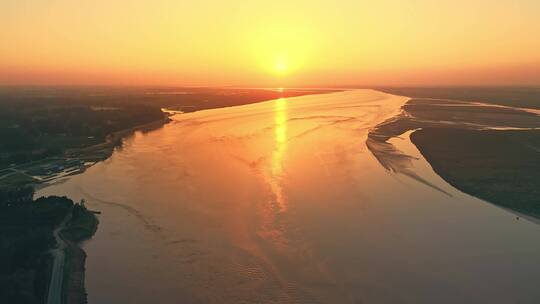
281, 67
280, 47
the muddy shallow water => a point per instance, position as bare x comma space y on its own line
282, 202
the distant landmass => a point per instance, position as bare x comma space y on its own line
514, 96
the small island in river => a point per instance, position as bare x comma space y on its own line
483, 141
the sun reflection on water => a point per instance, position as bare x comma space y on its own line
280, 147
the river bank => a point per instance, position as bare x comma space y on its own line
104, 149
78, 230
41, 173
66, 284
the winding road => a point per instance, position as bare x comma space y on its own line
57, 274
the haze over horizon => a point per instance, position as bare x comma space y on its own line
306, 43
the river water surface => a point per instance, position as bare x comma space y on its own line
282, 202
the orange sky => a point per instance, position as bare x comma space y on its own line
263, 43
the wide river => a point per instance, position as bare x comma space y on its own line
282, 202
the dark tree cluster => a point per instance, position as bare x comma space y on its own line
26, 228
15, 196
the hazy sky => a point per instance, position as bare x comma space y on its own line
269, 43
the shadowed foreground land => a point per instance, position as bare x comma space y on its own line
26, 234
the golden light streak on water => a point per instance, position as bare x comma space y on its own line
280, 148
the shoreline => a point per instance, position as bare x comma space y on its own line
67, 277
71, 161
74, 289
114, 138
